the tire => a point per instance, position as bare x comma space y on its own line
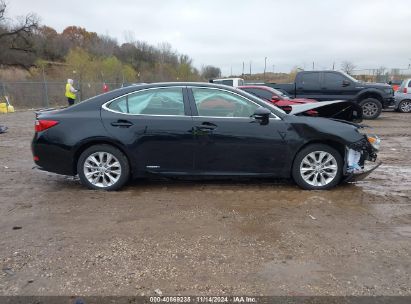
308, 173
371, 108
405, 106
103, 167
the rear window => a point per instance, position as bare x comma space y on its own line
405, 83
162, 101
310, 79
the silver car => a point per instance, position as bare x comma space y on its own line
403, 97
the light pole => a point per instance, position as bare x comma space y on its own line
265, 65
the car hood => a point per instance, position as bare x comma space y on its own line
336, 109
375, 85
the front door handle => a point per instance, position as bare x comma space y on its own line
206, 126
122, 123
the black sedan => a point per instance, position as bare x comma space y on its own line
192, 130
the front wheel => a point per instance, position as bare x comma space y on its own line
371, 108
405, 106
103, 167
317, 167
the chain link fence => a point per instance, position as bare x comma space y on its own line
34, 95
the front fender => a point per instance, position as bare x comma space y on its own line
363, 93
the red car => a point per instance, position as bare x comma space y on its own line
276, 97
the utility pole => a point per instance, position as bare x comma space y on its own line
313, 66
265, 65
333, 65
250, 67
45, 87
243, 68
231, 71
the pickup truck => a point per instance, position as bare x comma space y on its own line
334, 85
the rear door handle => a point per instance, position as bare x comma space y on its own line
122, 124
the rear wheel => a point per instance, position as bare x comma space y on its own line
405, 106
371, 108
103, 167
317, 167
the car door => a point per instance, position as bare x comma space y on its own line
309, 86
335, 86
229, 140
155, 126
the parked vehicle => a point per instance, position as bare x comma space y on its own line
333, 85
276, 97
395, 84
193, 129
403, 97
232, 82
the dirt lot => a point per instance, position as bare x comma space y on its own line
255, 238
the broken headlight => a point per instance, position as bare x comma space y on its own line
374, 140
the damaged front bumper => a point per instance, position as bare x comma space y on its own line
356, 177
368, 148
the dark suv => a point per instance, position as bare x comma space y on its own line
333, 85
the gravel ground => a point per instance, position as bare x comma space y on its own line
205, 238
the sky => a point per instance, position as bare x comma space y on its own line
280, 35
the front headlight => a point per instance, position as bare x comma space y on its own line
374, 140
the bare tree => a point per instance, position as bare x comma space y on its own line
16, 38
27, 24
210, 72
347, 67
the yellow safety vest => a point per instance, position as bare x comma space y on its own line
69, 94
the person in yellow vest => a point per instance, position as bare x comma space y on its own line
70, 92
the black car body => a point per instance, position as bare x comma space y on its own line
188, 129
334, 85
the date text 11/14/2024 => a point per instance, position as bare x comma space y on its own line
203, 299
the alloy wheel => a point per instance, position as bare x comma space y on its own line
319, 168
369, 109
405, 106
102, 169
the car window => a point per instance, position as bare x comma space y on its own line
266, 95
219, 103
161, 101
333, 79
228, 82
310, 79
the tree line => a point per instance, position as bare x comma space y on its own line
88, 56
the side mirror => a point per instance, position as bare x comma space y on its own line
346, 83
262, 115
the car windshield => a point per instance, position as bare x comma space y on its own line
281, 94
350, 77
